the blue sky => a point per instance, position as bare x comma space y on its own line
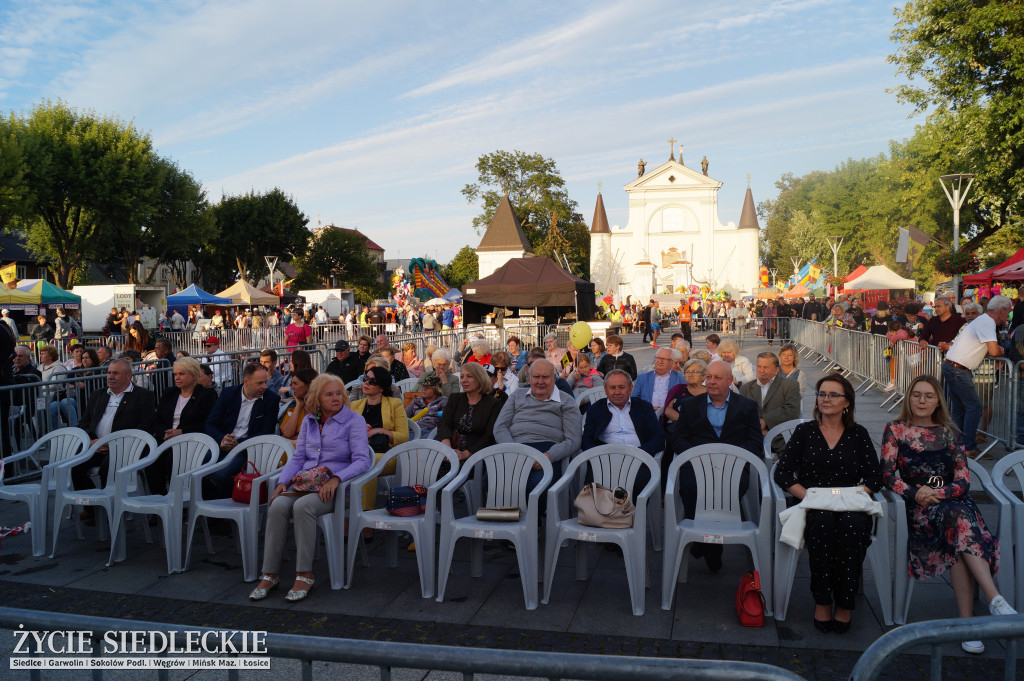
372, 115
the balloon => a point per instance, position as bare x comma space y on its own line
580, 335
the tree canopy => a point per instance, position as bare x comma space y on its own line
464, 268
339, 257
538, 195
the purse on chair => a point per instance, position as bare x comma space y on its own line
242, 490
750, 604
406, 501
598, 506
310, 480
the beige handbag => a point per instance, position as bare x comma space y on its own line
598, 506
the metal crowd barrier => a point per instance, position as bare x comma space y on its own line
387, 656
877, 660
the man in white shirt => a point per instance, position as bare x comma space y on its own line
976, 341
218, 361
6, 319
177, 321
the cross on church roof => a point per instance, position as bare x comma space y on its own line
672, 148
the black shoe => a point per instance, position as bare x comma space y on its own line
823, 626
841, 627
697, 550
713, 557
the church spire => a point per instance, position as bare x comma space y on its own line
599, 225
748, 216
505, 232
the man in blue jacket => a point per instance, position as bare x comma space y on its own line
241, 412
653, 386
625, 419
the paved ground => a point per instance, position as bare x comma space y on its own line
590, 616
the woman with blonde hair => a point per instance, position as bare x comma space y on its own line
742, 370
413, 364
331, 448
467, 422
923, 461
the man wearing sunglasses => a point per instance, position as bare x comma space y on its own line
218, 361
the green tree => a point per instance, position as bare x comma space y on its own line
537, 192
338, 257
13, 192
82, 173
464, 268
182, 228
251, 226
968, 61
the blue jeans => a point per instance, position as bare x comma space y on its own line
964, 404
535, 475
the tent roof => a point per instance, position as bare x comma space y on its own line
798, 291
194, 295
43, 291
243, 293
861, 269
1010, 272
530, 282
505, 232
985, 277
880, 277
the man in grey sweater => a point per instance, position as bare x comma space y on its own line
542, 417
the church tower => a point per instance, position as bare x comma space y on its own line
749, 232
503, 240
601, 261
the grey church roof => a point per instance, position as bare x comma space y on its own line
748, 216
600, 223
505, 233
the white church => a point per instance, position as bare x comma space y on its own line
673, 238
672, 241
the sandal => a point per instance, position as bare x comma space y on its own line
259, 594
299, 594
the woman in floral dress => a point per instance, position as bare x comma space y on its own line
924, 462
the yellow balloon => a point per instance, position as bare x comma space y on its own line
580, 335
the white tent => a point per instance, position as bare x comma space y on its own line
879, 277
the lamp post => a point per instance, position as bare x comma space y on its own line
834, 242
956, 193
773, 271
271, 264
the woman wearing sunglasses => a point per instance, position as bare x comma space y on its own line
832, 451
386, 423
923, 461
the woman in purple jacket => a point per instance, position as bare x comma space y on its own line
331, 436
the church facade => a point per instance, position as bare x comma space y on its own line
673, 238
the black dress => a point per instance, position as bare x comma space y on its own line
836, 542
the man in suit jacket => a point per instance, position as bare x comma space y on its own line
241, 412
722, 417
122, 406
624, 418
653, 386
778, 400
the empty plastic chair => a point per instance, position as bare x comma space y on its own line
507, 468
124, 448
1011, 525
719, 470
418, 463
269, 454
188, 452
62, 445
785, 430
612, 466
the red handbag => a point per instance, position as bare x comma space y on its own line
750, 601
242, 491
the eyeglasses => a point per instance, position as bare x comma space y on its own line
693, 373
210, 345
928, 397
500, 368
829, 396
369, 380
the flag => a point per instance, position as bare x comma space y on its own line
9, 273
918, 240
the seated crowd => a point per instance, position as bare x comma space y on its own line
689, 398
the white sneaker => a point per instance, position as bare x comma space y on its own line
973, 647
889, 388
999, 606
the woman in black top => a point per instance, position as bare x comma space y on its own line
832, 451
467, 423
183, 408
616, 358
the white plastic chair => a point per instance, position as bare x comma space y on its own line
719, 470
784, 429
902, 584
786, 557
332, 527
418, 464
507, 466
613, 466
188, 452
62, 444
124, 448
269, 454
407, 384
415, 433
591, 395
1011, 516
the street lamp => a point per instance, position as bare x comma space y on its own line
956, 193
773, 271
834, 242
271, 264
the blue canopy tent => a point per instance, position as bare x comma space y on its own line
194, 295
454, 295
